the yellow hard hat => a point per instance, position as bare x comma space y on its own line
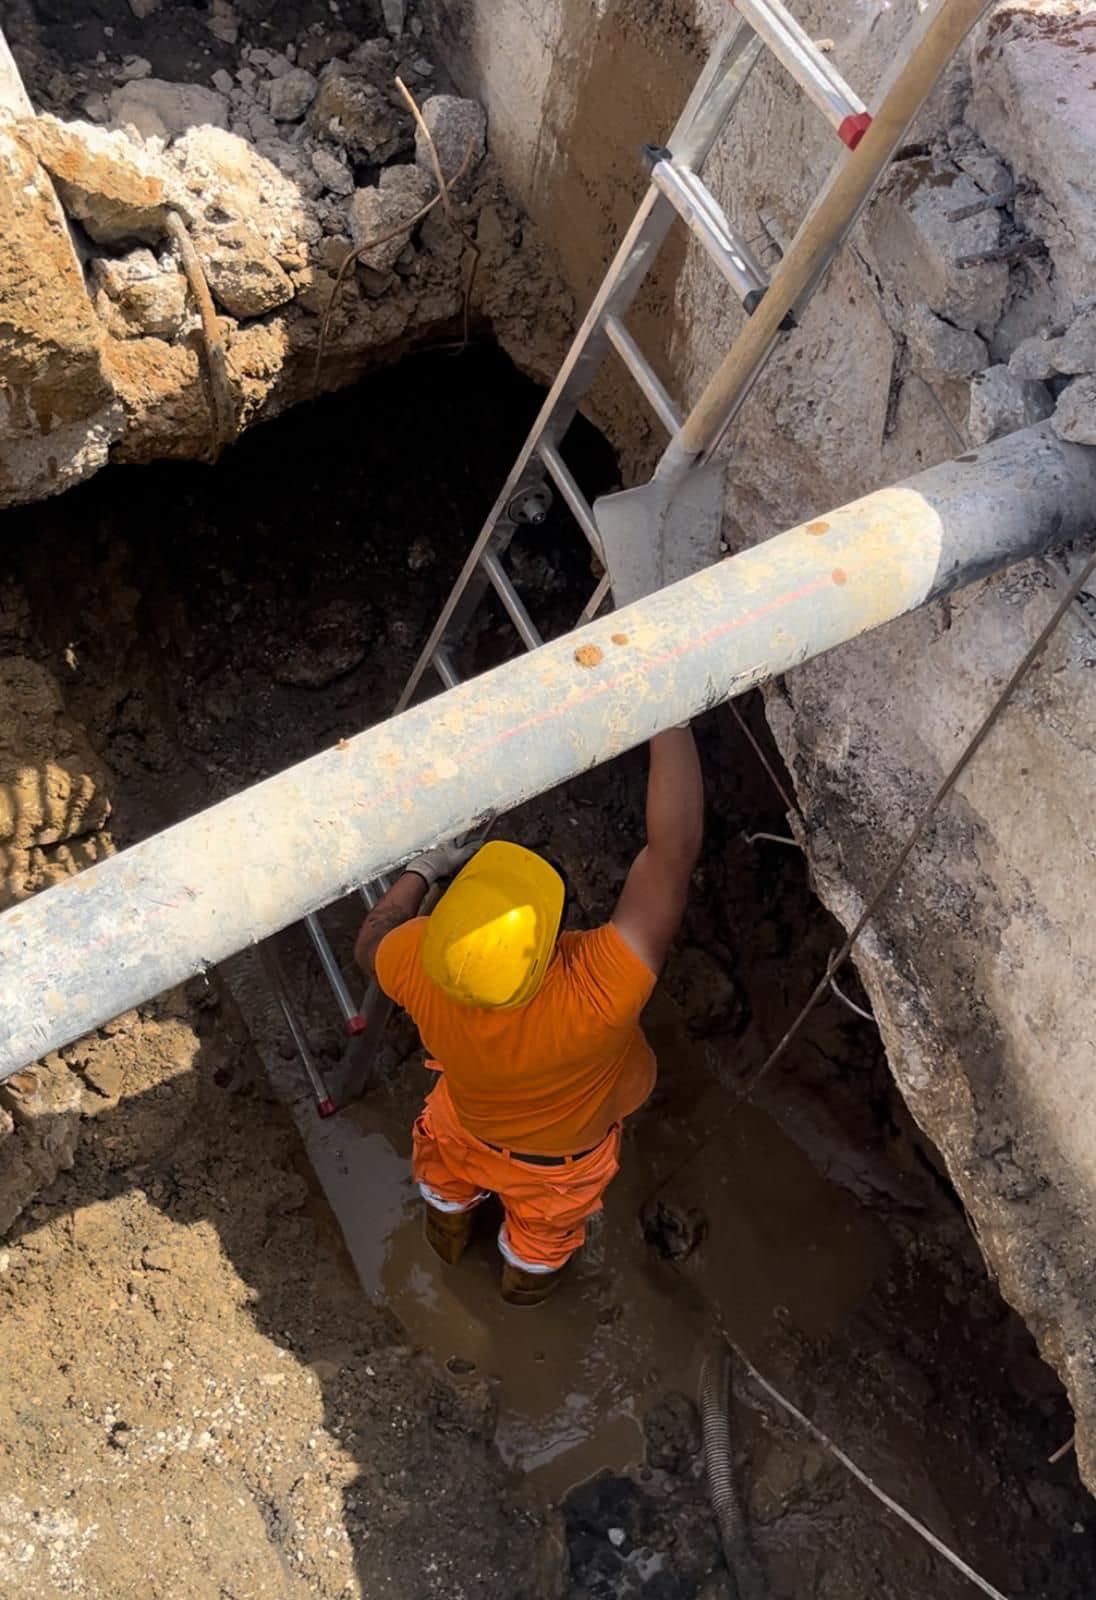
490, 937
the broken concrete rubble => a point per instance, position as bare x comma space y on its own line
1000, 403
458, 129
223, 21
58, 418
159, 110
1032, 101
1075, 415
334, 174
271, 223
243, 276
113, 188
291, 95
362, 119
139, 294
1075, 351
1034, 358
400, 194
938, 349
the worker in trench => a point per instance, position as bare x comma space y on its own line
534, 1033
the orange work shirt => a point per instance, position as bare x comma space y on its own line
550, 1077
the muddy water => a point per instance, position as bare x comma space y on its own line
575, 1376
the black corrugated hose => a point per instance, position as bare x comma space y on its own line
747, 1581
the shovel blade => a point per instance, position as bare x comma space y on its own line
660, 533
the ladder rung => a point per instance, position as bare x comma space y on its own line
703, 216
577, 502
371, 892
644, 374
808, 66
515, 609
355, 1022
442, 663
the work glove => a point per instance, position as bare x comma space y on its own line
445, 860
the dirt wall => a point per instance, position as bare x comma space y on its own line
960, 310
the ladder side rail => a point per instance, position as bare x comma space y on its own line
702, 120
649, 227
352, 1017
821, 235
801, 57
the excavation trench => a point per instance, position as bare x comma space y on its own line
209, 626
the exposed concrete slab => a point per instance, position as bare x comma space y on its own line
1033, 100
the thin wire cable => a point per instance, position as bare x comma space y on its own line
862, 1477
763, 758
852, 1005
974, 744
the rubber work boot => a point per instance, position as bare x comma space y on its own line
448, 1233
521, 1288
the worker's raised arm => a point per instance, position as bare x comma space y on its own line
403, 900
399, 904
652, 902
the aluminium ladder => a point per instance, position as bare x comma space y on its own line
675, 191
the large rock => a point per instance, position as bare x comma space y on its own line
243, 276
334, 174
162, 110
1034, 358
1075, 416
401, 192
56, 422
291, 95
113, 188
1075, 351
250, 220
1000, 403
138, 294
361, 118
223, 21
940, 350
1032, 75
459, 131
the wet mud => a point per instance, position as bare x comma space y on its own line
210, 626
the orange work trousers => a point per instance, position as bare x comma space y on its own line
545, 1207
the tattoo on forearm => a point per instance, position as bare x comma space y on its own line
380, 921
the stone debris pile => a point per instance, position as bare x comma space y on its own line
278, 170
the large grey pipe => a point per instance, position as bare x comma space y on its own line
80, 953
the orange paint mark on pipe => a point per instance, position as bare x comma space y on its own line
818, 527
589, 655
839, 575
